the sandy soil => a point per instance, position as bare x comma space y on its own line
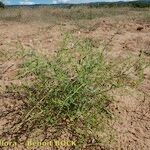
131, 108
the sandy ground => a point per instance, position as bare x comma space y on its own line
131, 108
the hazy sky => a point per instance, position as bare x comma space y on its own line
30, 2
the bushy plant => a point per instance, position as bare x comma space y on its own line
72, 88
2, 4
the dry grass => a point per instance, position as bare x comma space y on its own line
55, 14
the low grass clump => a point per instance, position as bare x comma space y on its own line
71, 89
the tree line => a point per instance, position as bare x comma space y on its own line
135, 4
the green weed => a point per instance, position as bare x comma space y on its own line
72, 89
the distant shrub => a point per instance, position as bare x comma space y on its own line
2, 5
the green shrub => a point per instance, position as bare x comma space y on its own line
72, 88
2, 5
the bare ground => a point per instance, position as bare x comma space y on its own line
131, 107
